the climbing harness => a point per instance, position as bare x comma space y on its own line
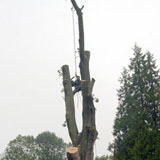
74, 41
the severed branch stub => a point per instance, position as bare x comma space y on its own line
91, 87
72, 153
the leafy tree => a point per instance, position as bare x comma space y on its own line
46, 146
22, 148
104, 158
137, 123
52, 146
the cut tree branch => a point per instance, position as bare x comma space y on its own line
72, 153
70, 109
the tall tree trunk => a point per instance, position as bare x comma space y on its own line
84, 140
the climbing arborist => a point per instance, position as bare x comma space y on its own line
76, 84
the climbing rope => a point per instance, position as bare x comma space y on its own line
74, 41
75, 51
95, 150
79, 100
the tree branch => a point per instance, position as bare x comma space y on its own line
70, 109
84, 66
75, 5
81, 28
91, 87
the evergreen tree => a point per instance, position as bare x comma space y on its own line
137, 123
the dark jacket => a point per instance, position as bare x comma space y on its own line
76, 83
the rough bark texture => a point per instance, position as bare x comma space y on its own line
86, 138
70, 109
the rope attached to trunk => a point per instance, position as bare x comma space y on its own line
74, 41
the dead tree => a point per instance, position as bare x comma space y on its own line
84, 140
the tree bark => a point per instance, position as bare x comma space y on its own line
70, 108
86, 138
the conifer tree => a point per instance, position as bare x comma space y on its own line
137, 123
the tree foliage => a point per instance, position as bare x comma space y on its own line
104, 158
22, 148
46, 146
137, 123
52, 146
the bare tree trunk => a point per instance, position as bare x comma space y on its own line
86, 138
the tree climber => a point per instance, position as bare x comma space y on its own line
76, 84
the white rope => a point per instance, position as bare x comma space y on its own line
95, 150
74, 40
77, 100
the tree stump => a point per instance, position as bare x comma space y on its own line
72, 153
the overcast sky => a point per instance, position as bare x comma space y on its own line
36, 39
